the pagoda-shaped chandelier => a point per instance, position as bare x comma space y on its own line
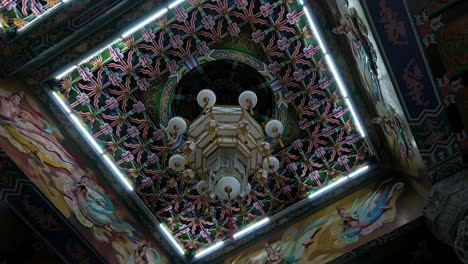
224, 145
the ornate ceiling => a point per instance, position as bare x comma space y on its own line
126, 93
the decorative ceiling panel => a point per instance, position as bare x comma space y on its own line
126, 93
17, 15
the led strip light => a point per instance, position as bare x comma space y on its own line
42, 15
264, 221
76, 121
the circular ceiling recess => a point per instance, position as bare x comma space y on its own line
227, 79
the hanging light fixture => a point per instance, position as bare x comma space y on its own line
176, 162
224, 146
248, 100
274, 129
206, 99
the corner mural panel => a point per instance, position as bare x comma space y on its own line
355, 220
38, 148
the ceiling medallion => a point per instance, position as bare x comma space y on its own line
224, 146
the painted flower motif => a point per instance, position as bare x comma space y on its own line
299, 75
105, 128
116, 54
304, 123
148, 34
283, 43
147, 180
343, 160
240, 4
293, 17
145, 60
328, 131
208, 22
324, 82
133, 131
339, 111
310, 50
152, 158
10, 5
127, 155
181, 14
314, 175
266, 9
52, 2
158, 134
297, 144
351, 139
111, 103
314, 104
172, 66
258, 36
139, 107
202, 47
19, 22
143, 84
115, 78
274, 67
39, 9
320, 152
289, 97
176, 41
82, 98
292, 167
85, 73
233, 29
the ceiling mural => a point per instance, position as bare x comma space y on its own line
127, 93
70, 184
18, 15
321, 237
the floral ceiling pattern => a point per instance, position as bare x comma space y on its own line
15, 15
120, 91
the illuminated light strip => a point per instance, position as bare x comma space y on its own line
116, 170
171, 238
339, 182
356, 118
358, 171
98, 52
61, 103
175, 3
334, 71
314, 30
251, 228
93, 142
209, 249
145, 22
85, 132
337, 76
65, 72
39, 16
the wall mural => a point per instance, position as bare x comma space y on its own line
353, 221
377, 85
422, 101
37, 147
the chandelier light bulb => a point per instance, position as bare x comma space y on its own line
274, 128
202, 188
248, 100
177, 126
177, 163
206, 99
271, 164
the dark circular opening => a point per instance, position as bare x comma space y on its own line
227, 79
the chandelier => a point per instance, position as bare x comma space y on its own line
223, 146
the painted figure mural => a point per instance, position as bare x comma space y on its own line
35, 145
338, 228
